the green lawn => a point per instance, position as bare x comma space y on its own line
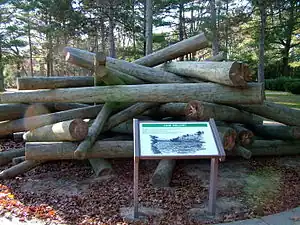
284, 98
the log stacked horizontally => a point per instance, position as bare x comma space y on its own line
155, 87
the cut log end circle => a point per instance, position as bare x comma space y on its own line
78, 129
194, 111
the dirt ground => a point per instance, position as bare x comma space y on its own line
66, 192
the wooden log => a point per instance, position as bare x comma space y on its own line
124, 128
172, 109
209, 92
34, 83
273, 111
217, 58
124, 149
154, 75
276, 131
227, 73
65, 150
202, 111
19, 169
174, 51
18, 160
128, 79
71, 130
7, 156
101, 167
245, 137
228, 137
60, 106
12, 111
274, 148
243, 152
163, 173
33, 122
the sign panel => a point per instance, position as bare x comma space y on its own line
176, 139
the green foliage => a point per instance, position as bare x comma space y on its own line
282, 84
293, 87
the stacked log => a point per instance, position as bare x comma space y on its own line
151, 88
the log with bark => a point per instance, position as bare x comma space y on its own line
12, 111
154, 75
227, 73
65, 150
33, 122
163, 173
124, 149
18, 160
245, 137
228, 137
203, 111
7, 156
209, 92
273, 111
243, 152
276, 131
274, 148
174, 51
71, 130
172, 109
17, 111
60, 106
19, 169
34, 83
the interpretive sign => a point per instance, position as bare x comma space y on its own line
177, 140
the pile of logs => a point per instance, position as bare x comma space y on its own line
90, 118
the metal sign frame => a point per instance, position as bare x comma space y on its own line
213, 166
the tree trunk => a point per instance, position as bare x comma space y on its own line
243, 152
263, 18
226, 30
128, 79
65, 150
146, 93
33, 122
228, 137
215, 41
203, 111
245, 137
30, 48
103, 35
149, 15
7, 156
176, 110
181, 23
1, 68
227, 73
72, 130
276, 112
274, 148
27, 83
18, 160
280, 132
174, 51
163, 173
111, 36
19, 169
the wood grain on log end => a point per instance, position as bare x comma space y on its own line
79, 129
194, 111
236, 75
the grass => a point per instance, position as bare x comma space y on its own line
284, 98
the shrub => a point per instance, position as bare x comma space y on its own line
280, 84
293, 87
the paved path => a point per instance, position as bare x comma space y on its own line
291, 217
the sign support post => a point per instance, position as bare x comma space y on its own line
213, 186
